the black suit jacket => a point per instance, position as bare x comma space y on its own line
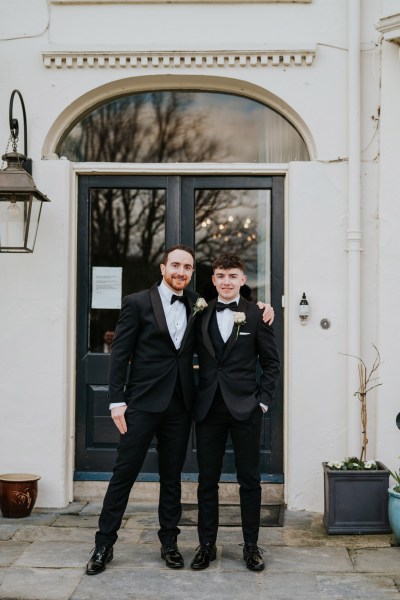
142, 337
235, 371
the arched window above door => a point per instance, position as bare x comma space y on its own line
184, 127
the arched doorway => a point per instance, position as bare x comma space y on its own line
125, 222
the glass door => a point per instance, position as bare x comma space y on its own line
124, 224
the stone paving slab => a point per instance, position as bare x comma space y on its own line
94, 508
171, 585
299, 537
77, 521
55, 534
55, 555
290, 586
377, 560
40, 584
298, 519
74, 508
308, 560
357, 587
33, 519
131, 536
7, 531
9, 551
188, 535
142, 519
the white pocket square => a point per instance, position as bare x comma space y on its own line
244, 333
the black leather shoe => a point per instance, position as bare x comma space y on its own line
100, 557
173, 558
205, 554
252, 557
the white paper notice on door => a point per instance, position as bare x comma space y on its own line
106, 287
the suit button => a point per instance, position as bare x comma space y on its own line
219, 368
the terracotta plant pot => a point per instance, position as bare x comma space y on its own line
18, 492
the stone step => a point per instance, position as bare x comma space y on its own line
143, 491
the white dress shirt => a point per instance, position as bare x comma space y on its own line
175, 314
225, 319
176, 317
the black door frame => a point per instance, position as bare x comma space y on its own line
177, 230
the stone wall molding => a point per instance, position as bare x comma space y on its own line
72, 58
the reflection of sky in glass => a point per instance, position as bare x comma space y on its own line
183, 126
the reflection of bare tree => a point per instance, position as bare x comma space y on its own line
127, 223
155, 128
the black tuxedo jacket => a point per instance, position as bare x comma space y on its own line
142, 337
235, 370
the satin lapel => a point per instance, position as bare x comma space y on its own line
190, 322
242, 307
159, 312
205, 323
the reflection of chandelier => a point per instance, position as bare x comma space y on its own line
224, 229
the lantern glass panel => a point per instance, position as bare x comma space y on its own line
19, 220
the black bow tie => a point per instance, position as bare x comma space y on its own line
221, 306
182, 299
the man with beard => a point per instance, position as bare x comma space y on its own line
155, 332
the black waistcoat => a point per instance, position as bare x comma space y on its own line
216, 337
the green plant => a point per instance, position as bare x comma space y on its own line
353, 464
396, 477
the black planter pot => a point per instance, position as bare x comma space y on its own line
356, 501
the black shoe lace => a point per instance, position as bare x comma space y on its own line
97, 551
203, 551
253, 549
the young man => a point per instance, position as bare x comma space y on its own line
231, 339
155, 332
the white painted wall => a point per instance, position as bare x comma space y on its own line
37, 292
34, 389
316, 372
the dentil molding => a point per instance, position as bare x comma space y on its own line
70, 58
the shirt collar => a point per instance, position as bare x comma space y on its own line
225, 302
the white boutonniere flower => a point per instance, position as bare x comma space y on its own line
239, 319
199, 306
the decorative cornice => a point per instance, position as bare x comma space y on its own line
176, 59
179, 1
390, 28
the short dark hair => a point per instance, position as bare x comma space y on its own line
183, 247
228, 261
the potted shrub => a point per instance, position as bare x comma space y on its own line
356, 489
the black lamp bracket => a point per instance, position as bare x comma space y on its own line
14, 125
14, 130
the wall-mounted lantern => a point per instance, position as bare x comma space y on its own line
304, 309
20, 200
